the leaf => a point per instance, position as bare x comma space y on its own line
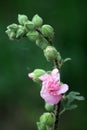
68, 100
80, 98
66, 59
71, 107
74, 96
62, 61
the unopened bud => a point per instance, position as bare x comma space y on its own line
29, 25
20, 32
47, 118
12, 27
47, 31
49, 107
50, 53
11, 34
22, 19
41, 42
37, 20
41, 126
36, 74
32, 35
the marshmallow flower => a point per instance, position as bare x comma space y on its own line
52, 89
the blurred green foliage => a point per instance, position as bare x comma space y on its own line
20, 103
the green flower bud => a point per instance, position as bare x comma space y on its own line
49, 107
10, 34
41, 126
20, 32
41, 42
47, 118
37, 20
36, 74
22, 19
29, 25
50, 53
33, 35
12, 27
47, 31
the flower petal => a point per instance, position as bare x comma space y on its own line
63, 88
55, 74
30, 75
44, 77
51, 99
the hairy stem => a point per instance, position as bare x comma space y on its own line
56, 65
57, 109
61, 112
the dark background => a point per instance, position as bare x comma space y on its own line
20, 103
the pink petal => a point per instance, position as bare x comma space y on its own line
63, 88
54, 100
50, 99
44, 77
56, 75
55, 71
30, 75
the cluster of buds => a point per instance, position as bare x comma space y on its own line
15, 31
35, 31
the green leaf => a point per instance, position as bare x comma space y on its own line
71, 107
68, 100
66, 59
74, 96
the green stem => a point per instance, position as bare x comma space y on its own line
62, 111
57, 109
56, 65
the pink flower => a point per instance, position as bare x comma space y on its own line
52, 89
